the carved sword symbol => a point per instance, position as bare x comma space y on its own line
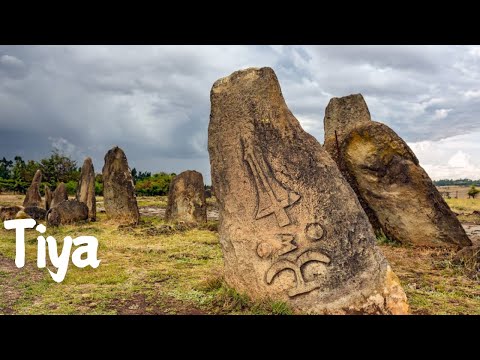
272, 197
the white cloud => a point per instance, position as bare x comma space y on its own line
456, 157
154, 100
441, 113
66, 147
472, 94
10, 60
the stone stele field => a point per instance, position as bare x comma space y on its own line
162, 268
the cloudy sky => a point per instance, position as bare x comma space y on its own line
153, 101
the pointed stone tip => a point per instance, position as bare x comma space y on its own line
250, 74
88, 159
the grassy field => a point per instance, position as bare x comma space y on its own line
155, 268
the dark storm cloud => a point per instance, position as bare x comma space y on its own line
153, 101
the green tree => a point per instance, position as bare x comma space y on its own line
134, 175
59, 168
31, 168
18, 170
472, 193
5, 167
158, 184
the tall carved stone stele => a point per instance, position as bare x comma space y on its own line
291, 228
118, 188
59, 195
33, 197
86, 188
395, 192
186, 198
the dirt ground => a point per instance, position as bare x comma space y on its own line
160, 268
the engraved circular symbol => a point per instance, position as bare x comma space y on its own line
264, 250
314, 231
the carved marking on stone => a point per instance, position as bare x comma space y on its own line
264, 250
272, 197
287, 244
314, 231
302, 286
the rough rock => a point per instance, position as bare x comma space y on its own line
290, 226
186, 198
469, 257
35, 212
86, 188
9, 212
48, 198
59, 195
22, 215
396, 193
33, 196
118, 188
67, 212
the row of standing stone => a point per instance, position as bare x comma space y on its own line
186, 199
186, 196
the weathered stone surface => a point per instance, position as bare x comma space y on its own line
469, 256
22, 215
186, 198
48, 198
291, 228
86, 188
118, 188
35, 212
33, 197
9, 212
67, 212
59, 195
396, 193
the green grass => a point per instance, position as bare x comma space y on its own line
464, 205
173, 273
383, 239
143, 271
160, 201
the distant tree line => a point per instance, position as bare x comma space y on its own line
16, 176
147, 184
458, 182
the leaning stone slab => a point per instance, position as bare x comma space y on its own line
290, 226
394, 190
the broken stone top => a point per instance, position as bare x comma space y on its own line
344, 113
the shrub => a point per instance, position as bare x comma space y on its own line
71, 187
